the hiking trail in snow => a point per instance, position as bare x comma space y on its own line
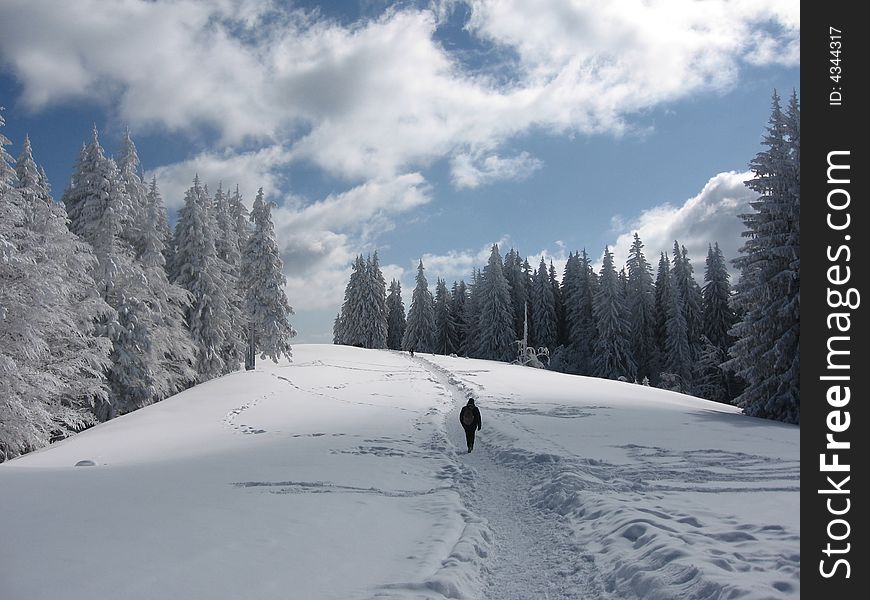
532, 554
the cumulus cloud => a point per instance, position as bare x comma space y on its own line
382, 96
711, 216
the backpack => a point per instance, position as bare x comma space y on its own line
467, 417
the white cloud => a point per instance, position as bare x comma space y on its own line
711, 216
471, 171
381, 97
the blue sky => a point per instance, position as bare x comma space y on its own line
422, 129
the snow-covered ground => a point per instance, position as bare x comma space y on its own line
344, 475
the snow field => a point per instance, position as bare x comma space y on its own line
344, 475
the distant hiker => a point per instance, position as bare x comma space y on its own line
469, 417
412, 352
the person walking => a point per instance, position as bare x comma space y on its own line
469, 417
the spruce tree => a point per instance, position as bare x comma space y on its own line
52, 362
445, 335
641, 302
375, 305
678, 358
520, 294
543, 309
458, 298
766, 354
420, 325
351, 330
239, 214
584, 330
570, 292
265, 301
495, 326
156, 208
612, 358
198, 270
172, 349
719, 317
395, 316
471, 316
102, 213
661, 310
130, 168
690, 291
559, 304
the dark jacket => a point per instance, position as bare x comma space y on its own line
475, 412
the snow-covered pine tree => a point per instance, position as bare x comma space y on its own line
130, 168
154, 206
458, 298
228, 251
198, 270
471, 316
445, 334
351, 330
543, 309
172, 349
559, 304
623, 286
395, 316
495, 329
239, 214
570, 291
100, 213
766, 354
52, 362
520, 294
678, 358
131, 380
641, 301
719, 316
661, 310
420, 325
226, 242
683, 277
31, 183
96, 202
612, 358
374, 319
266, 306
584, 331
566, 358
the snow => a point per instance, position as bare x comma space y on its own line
338, 475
